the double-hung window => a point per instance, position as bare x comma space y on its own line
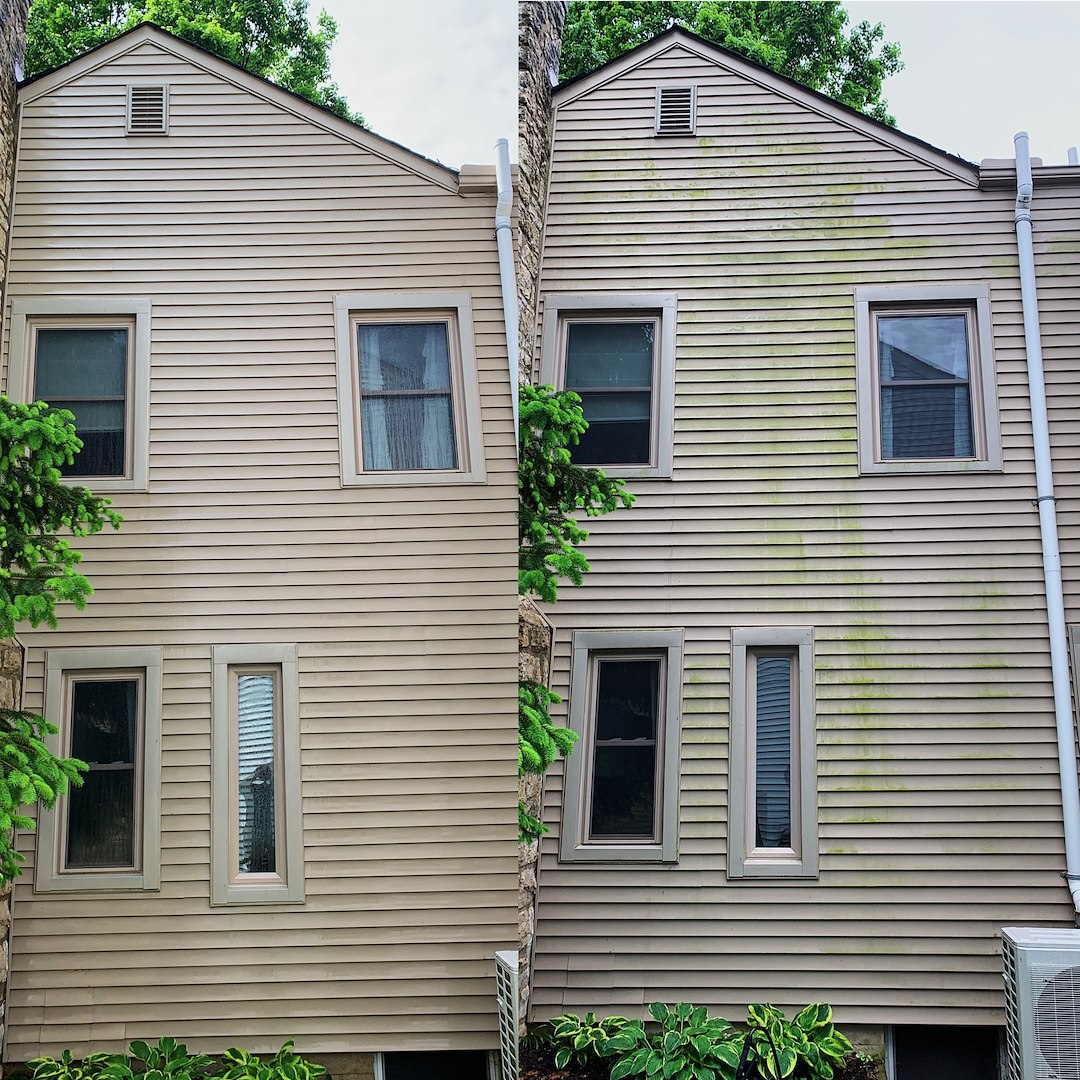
927, 396
106, 704
622, 780
617, 353
91, 357
407, 385
772, 813
257, 854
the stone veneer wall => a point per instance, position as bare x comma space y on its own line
534, 652
12, 37
540, 26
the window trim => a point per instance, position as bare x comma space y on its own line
975, 298
51, 828
225, 889
560, 308
575, 846
351, 308
744, 861
25, 312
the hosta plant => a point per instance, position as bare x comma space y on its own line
806, 1048
584, 1040
690, 1045
284, 1065
67, 1068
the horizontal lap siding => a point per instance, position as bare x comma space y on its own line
939, 808
240, 226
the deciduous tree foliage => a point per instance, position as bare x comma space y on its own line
271, 38
806, 40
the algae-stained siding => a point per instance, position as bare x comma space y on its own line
240, 226
939, 808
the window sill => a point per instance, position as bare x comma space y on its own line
78, 883
414, 478
618, 853
941, 466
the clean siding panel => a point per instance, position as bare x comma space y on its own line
240, 226
940, 815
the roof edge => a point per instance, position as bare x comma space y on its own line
953, 164
297, 104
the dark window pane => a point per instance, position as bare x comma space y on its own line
772, 709
255, 721
404, 357
435, 1065
618, 432
85, 370
624, 791
101, 820
923, 347
926, 422
610, 365
101, 813
103, 717
625, 754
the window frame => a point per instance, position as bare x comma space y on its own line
590, 646
744, 859
226, 886
353, 309
28, 313
562, 309
50, 874
974, 301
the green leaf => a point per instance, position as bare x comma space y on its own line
562, 1057
659, 1012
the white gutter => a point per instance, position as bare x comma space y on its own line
1044, 479
504, 237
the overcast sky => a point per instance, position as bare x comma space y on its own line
440, 76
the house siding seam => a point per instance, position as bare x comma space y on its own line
240, 226
939, 806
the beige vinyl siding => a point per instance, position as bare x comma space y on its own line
240, 226
939, 808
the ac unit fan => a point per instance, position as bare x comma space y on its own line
1042, 1003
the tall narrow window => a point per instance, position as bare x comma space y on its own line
406, 396
622, 782
625, 791
104, 726
772, 819
257, 837
87, 369
256, 695
105, 834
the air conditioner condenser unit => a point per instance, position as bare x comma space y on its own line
1042, 1002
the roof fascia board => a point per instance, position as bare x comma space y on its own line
206, 61
965, 172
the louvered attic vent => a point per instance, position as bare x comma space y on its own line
148, 109
676, 110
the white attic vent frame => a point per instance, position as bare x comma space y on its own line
1042, 1002
676, 110
148, 109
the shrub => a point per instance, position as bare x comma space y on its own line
584, 1041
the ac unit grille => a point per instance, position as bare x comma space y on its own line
147, 109
1012, 1010
675, 110
507, 991
1057, 1020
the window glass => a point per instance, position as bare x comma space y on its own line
923, 362
101, 814
257, 739
611, 366
85, 370
773, 757
406, 400
428, 1065
627, 716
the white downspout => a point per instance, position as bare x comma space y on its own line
504, 237
1044, 479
